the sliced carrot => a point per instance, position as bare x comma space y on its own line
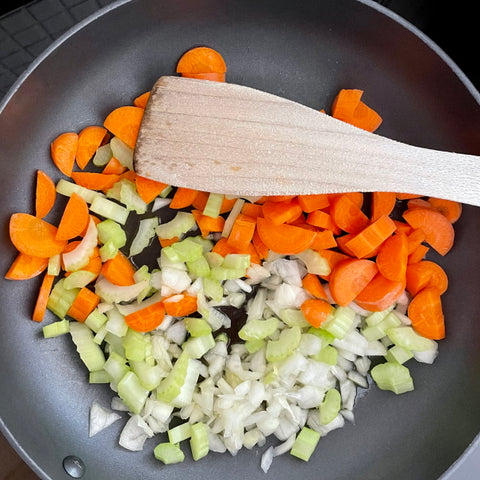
418, 254
260, 247
184, 306
147, 318
415, 239
45, 194
223, 248
349, 278
212, 76
364, 243
316, 311
333, 258
89, 139
200, 201
366, 118
124, 123
63, 150
183, 197
149, 189
403, 227
281, 212
392, 258
419, 203
356, 197
166, 242
439, 233
311, 283
208, 224
380, 294
35, 237
426, 313
310, 203
119, 270
323, 239
407, 196
85, 302
42, 298
450, 209
25, 267
279, 198
342, 244
201, 60
285, 239
347, 215
252, 210
141, 100
95, 181
94, 265
242, 232
321, 219
383, 203
227, 204
426, 274
75, 218
114, 167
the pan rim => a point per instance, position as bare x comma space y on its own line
474, 447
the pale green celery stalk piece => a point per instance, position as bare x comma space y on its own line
171, 385
222, 337
114, 192
199, 267
111, 230
56, 329
179, 433
339, 322
90, 353
116, 367
116, 323
326, 337
199, 442
236, 261
376, 317
131, 199
114, 344
171, 255
329, 408
222, 273
108, 209
96, 320
253, 346
102, 156
185, 396
54, 265
392, 376
196, 347
373, 332
212, 288
197, 327
80, 256
214, 259
398, 354
122, 152
61, 299
135, 344
164, 193
213, 205
188, 250
293, 317
406, 337
66, 188
390, 321
305, 444
256, 329
168, 453
206, 244
108, 251
145, 233
150, 376
132, 392
236, 299
180, 224
327, 354
99, 337
100, 376
79, 279
285, 345
143, 274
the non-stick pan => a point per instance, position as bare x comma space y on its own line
305, 51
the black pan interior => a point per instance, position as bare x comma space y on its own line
305, 51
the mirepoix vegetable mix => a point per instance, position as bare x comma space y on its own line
237, 318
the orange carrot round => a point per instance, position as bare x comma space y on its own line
316, 311
75, 218
83, 305
281, 212
45, 194
201, 60
426, 274
149, 189
383, 203
63, 150
25, 267
448, 208
183, 197
311, 283
425, 312
89, 139
182, 307
95, 181
141, 100
42, 298
380, 294
119, 270
349, 278
146, 319
35, 237
392, 258
347, 215
124, 123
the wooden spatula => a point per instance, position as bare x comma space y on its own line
226, 138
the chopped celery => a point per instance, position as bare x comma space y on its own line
258, 329
139, 276
196, 347
131, 199
80, 256
327, 354
398, 354
99, 337
376, 317
222, 273
150, 376
61, 299
168, 453
56, 329
90, 353
171, 385
108, 209
115, 293
199, 442
79, 279
102, 155
214, 259
340, 322
145, 233
100, 376
199, 267
108, 250
180, 224
283, 347
111, 230
206, 244
213, 205
292, 317
373, 332
236, 261
135, 344
96, 320
116, 367
392, 376
326, 337
197, 327
188, 250
114, 344
116, 323
305, 444
329, 408
66, 188
164, 193
253, 346
185, 395
132, 392
408, 338
180, 433
54, 265
212, 288
122, 152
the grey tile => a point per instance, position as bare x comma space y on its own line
38, 47
20, 68
6, 81
17, 21
43, 9
8, 46
16, 59
84, 9
30, 35
58, 23
71, 3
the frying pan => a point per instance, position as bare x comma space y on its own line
305, 51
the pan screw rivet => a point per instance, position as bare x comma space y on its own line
74, 466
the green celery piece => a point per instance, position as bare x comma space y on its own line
144, 235
181, 223
212, 288
328, 354
108, 251
329, 408
213, 205
188, 250
398, 354
376, 317
214, 259
340, 322
168, 453
305, 444
66, 188
116, 367
236, 261
56, 329
199, 267
292, 317
99, 376
150, 376
131, 199
199, 442
197, 327
256, 329
326, 337
392, 376
206, 244
253, 346
222, 273
283, 347
110, 230
108, 209
96, 320
79, 279
171, 385
135, 344
90, 353
406, 337
132, 392
196, 347
179, 433
61, 299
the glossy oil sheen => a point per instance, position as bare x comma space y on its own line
305, 51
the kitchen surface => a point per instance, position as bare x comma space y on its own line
26, 29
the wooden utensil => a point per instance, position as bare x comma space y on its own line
231, 139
